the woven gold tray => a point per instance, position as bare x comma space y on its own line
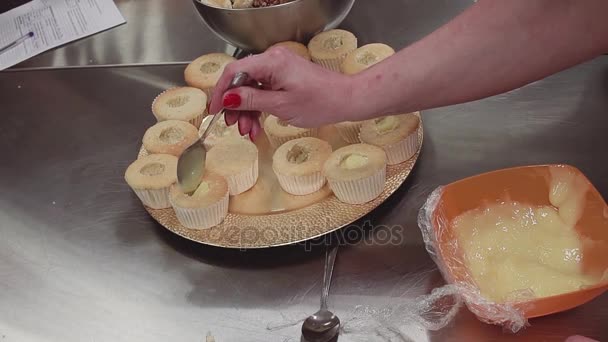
266, 216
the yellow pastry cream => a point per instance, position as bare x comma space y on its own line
353, 161
206, 207
356, 173
515, 251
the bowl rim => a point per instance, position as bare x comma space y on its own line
290, 3
532, 166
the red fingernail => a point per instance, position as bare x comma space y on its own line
232, 101
251, 135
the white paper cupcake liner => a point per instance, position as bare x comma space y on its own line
209, 93
403, 150
263, 118
196, 122
301, 185
239, 183
154, 198
331, 64
203, 218
359, 191
275, 142
350, 133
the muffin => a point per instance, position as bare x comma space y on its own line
280, 132
356, 173
365, 57
329, 48
206, 207
219, 132
170, 137
349, 131
218, 3
151, 178
396, 134
295, 47
205, 71
242, 4
355, 62
237, 161
182, 103
298, 165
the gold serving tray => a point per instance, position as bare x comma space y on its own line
266, 216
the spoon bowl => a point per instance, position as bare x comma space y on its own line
191, 163
323, 325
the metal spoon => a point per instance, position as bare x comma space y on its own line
191, 163
323, 325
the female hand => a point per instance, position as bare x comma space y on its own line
294, 89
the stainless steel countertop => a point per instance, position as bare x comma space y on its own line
80, 259
162, 31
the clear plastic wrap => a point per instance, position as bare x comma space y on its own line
432, 225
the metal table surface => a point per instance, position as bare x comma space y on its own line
166, 32
80, 259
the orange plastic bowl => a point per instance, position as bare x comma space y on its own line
530, 185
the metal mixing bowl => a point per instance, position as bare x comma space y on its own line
256, 29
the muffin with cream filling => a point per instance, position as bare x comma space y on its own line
237, 161
206, 207
219, 132
356, 173
396, 134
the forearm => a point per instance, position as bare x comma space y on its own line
493, 47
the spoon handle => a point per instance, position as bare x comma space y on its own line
330, 259
240, 79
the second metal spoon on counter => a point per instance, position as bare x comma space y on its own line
323, 325
191, 163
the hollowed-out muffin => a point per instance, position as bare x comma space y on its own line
329, 48
182, 103
151, 177
298, 165
205, 71
170, 137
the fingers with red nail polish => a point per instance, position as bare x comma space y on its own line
231, 117
232, 100
256, 128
